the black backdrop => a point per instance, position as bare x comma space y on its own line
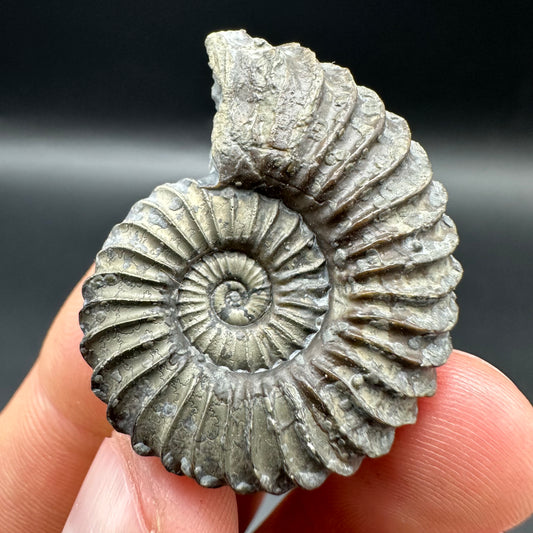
145, 59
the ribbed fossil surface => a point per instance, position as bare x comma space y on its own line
277, 320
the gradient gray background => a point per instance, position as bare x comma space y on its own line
101, 102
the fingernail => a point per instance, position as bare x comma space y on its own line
106, 501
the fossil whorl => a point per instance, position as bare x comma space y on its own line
277, 320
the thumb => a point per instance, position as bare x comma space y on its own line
125, 493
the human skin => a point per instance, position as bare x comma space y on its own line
466, 466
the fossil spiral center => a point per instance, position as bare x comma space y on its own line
255, 292
238, 304
224, 296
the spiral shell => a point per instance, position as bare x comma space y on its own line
277, 320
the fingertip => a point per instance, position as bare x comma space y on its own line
170, 499
466, 466
136, 493
107, 501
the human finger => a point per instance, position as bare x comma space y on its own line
126, 492
50, 431
465, 467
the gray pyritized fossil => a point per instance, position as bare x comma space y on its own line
277, 320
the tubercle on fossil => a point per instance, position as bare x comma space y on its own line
277, 320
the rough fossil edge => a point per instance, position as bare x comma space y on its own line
377, 297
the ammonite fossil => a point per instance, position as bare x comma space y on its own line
277, 320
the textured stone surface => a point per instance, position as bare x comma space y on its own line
277, 320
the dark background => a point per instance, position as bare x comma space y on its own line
132, 59
100, 101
